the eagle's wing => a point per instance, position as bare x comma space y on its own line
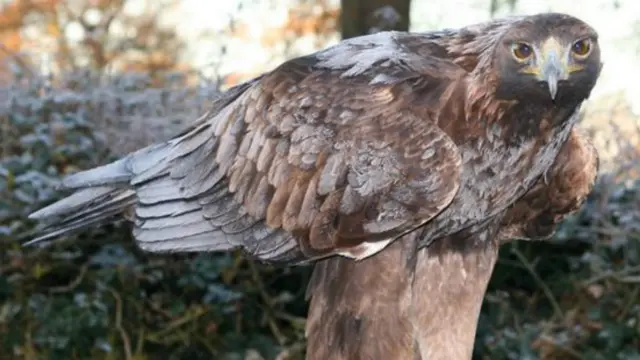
304, 158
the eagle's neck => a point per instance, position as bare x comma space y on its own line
544, 122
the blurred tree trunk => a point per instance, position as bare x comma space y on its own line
498, 4
361, 17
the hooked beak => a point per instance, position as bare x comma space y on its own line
552, 67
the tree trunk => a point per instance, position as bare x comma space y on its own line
361, 17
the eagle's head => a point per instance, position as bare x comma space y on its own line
547, 58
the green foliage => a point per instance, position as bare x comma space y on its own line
576, 297
99, 297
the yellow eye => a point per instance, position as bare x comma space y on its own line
522, 51
581, 48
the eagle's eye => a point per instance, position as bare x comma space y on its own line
522, 51
581, 48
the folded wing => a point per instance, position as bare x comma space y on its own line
302, 162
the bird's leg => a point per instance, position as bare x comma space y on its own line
449, 285
360, 309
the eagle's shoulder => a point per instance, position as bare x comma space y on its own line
557, 194
383, 58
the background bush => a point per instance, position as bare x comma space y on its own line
99, 297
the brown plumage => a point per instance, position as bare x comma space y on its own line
423, 304
415, 154
557, 194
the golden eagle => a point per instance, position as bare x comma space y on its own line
396, 162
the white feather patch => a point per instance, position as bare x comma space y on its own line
357, 55
365, 249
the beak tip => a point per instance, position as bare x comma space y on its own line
553, 87
553, 70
